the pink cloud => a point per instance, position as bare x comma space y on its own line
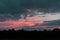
21, 22
38, 18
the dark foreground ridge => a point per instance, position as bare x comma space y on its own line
30, 34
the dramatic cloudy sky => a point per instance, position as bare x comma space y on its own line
29, 14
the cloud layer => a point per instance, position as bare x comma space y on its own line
29, 14
38, 21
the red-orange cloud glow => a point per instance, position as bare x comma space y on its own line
20, 22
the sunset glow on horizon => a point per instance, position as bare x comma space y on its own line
38, 19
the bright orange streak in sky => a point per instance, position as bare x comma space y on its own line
29, 21
21, 22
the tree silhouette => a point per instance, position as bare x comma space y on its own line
56, 29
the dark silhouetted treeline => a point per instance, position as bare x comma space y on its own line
30, 34
22, 30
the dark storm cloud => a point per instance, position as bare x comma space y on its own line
52, 23
17, 5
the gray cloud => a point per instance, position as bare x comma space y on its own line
12, 9
17, 5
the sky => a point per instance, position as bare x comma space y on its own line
29, 14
